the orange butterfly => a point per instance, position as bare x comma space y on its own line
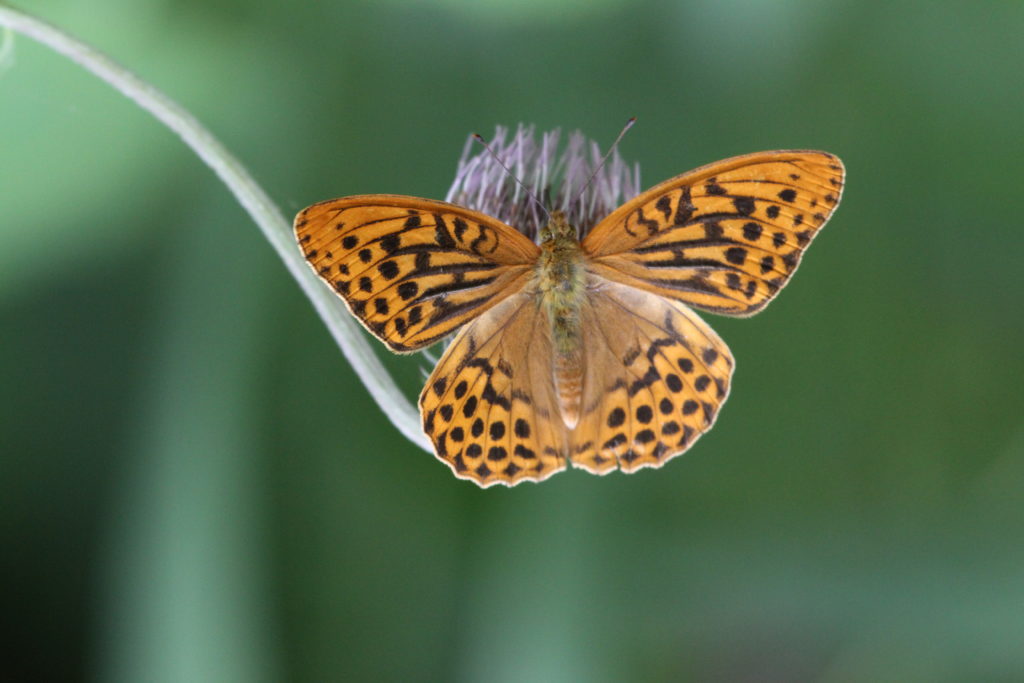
574, 351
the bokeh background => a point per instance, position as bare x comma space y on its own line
194, 486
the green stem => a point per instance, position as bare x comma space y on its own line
253, 199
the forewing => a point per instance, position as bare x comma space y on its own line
412, 270
489, 406
725, 237
656, 377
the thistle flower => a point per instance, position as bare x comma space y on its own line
556, 178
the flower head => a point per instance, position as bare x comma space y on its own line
556, 178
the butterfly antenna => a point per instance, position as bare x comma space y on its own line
529, 194
629, 124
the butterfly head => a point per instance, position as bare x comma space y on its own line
558, 228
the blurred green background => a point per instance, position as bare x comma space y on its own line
196, 487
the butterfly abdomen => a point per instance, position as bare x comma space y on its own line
561, 280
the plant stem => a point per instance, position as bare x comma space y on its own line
253, 199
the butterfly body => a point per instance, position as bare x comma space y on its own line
574, 351
561, 280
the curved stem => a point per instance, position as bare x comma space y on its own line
253, 199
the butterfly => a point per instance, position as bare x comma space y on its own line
584, 352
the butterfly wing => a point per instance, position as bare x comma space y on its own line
413, 270
656, 377
725, 237
489, 407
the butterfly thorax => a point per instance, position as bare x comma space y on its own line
560, 279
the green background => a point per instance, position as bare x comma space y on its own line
195, 486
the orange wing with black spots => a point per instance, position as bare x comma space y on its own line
413, 270
489, 406
656, 376
723, 238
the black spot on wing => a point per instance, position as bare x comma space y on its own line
391, 243
664, 204
442, 236
713, 189
744, 205
649, 223
685, 209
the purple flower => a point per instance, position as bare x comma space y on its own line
555, 177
